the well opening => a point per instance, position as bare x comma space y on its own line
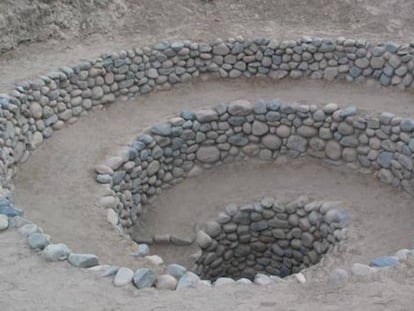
269, 237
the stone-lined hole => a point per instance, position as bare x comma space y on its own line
269, 237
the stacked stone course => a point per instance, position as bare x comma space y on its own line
172, 150
270, 238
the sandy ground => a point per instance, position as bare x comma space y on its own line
68, 34
64, 204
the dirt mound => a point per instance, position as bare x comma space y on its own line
40, 20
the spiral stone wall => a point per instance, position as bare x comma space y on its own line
179, 147
173, 150
37, 108
269, 237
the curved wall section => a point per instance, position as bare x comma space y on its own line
35, 109
173, 150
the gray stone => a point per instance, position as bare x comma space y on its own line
36, 110
385, 176
28, 229
83, 260
208, 154
234, 73
283, 131
240, 108
272, 142
259, 128
188, 280
221, 49
223, 281
333, 150
203, 239
38, 240
385, 261
406, 162
97, 92
7, 208
144, 278
384, 159
162, 129
206, 115
407, 125
330, 73
142, 251
348, 111
152, 73
212, 228
153, 168
110, 271
330, 108
56, 252
377, 62
297, 143
123, 277
176, 270
307, 131
238, 140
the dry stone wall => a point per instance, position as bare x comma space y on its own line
172, 150
269, 237
37, 108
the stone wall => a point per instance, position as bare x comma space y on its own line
182, 146
269, 237
37, 108
172, 150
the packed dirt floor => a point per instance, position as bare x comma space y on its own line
65, 204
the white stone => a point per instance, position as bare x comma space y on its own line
108, 202
103, 169
114, 162
123, 277
166, 282
362, 270
55, 252
262, 279
402, 254
4, 222
112, 217
37, 140
223, 281
155, 260
300, 277
244, 281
